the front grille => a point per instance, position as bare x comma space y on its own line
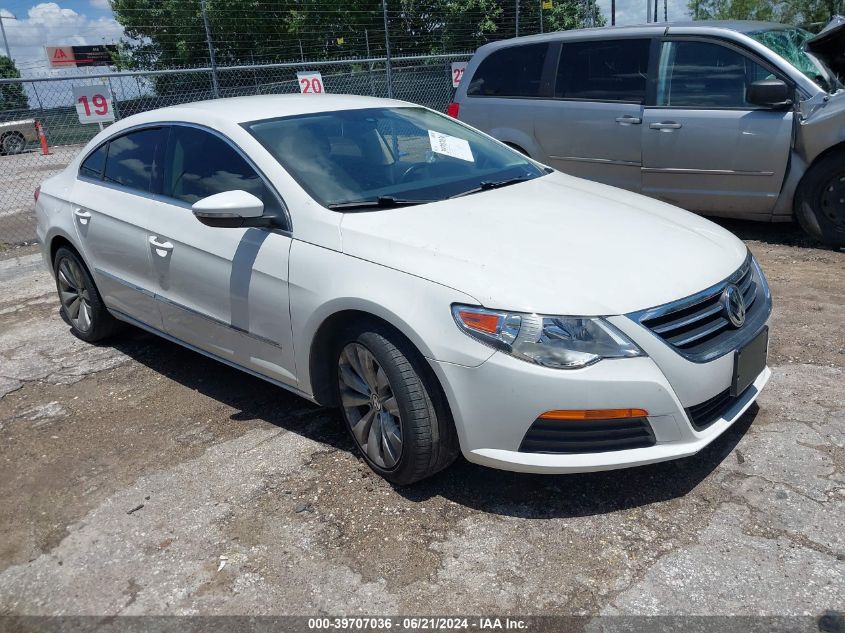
586, 436
697, 327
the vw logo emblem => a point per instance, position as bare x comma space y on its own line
733, 305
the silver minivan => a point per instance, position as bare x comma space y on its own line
733, 119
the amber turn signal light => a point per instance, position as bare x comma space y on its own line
594, 414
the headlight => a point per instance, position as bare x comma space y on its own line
561, 342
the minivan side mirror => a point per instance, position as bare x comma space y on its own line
232, 209
769, 93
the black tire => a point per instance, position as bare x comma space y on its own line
428, 439
817, 201
88, 317
13, 143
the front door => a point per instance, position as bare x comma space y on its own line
592, 127
222, 290
705, 148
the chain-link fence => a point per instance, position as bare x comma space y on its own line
25, 160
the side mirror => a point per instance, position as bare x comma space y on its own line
769, 93
231, 209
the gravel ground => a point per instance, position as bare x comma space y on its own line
140, 478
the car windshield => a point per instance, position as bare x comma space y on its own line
789, 44
384, 157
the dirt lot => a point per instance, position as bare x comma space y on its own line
141, 478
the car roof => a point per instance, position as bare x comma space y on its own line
258, 107
647, 29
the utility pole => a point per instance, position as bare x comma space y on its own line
541, 16
516, 34
665, 10
211, 56
648, 10
3, 31
655, 10
612, 12
388, 61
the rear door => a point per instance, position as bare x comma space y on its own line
705, 148
592, 125
111, 207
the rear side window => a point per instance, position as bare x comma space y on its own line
515, 71
200, 164
131, 160
607, 70
94, 164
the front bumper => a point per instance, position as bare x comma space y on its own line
494, 405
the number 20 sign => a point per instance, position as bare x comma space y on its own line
310, 82
93, 103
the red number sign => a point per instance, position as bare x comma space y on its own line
93, 103
458, 69
310, 82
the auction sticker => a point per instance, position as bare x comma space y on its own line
450, 146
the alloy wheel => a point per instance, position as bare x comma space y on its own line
13, 144
74, 294
370, 406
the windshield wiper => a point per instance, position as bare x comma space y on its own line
380, 202
486, 185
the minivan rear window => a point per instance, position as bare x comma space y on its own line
514, 71
606, 70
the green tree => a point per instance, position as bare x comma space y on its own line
12, 96
809, 13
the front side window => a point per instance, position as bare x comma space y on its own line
606, 70
515, 71
131, 159
705, 75
199, 164
388, 156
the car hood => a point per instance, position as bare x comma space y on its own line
829, 45
553, 245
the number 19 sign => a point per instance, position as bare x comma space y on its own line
93, 103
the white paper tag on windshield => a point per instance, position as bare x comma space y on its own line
450, 146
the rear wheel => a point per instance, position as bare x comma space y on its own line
820, 200
13, 143
392, 406
82, 306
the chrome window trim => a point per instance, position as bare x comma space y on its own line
739, 337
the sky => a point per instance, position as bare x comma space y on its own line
91, 22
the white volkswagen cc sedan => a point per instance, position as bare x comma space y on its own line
447, 293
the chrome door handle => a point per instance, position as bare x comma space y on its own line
631, 120
162, 248
665, 125
82, 216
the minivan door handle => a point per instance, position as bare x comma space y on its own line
665, 125
629, 120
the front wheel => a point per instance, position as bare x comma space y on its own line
393, 407
820, 200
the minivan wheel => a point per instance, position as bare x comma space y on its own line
820, 200
392, 406
81, 305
